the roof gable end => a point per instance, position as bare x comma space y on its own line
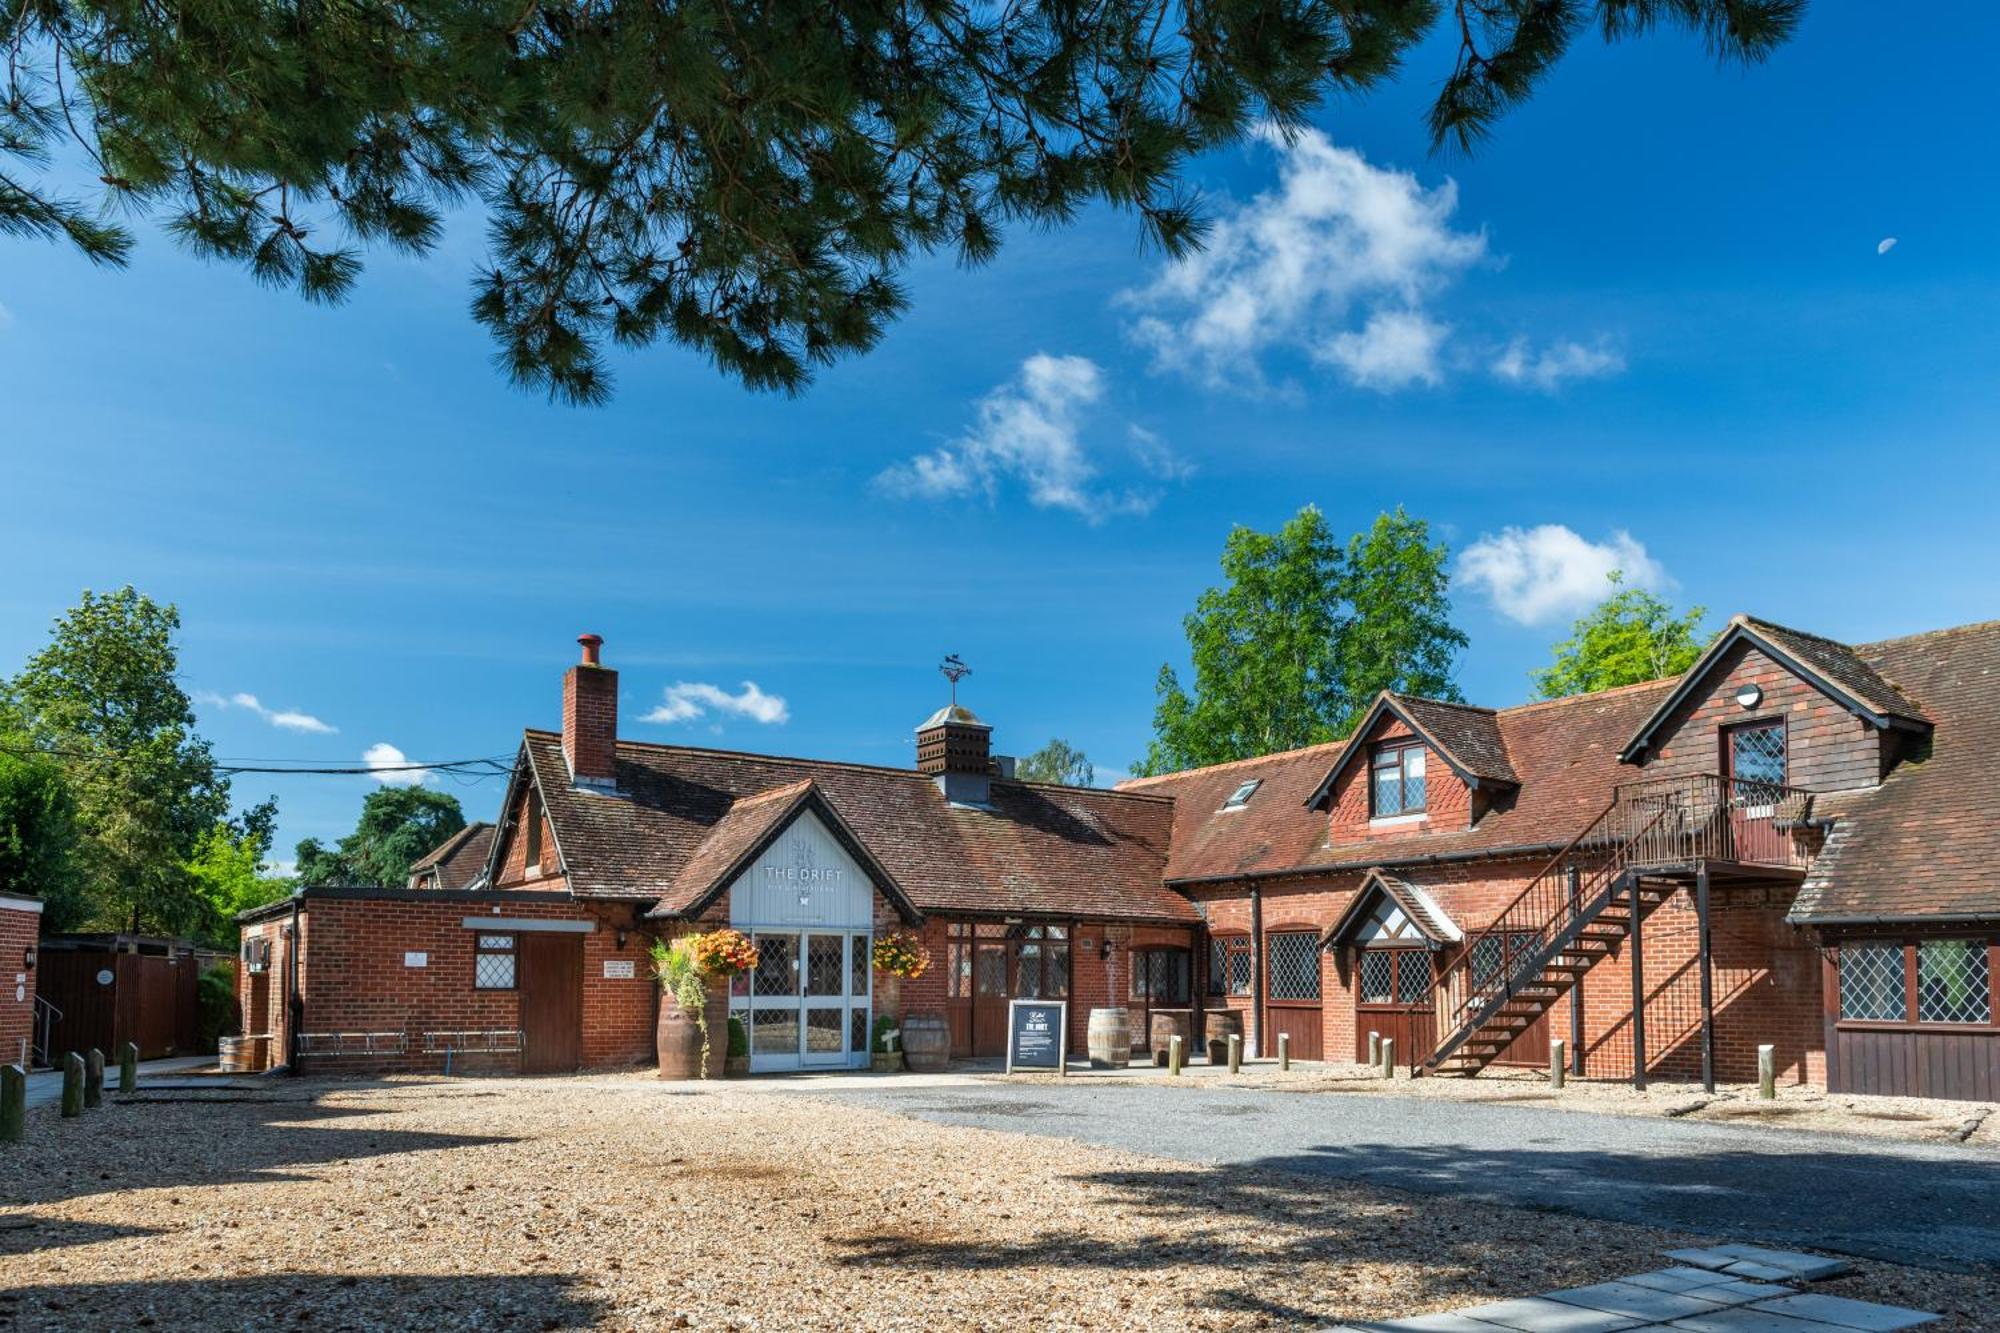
1466, 738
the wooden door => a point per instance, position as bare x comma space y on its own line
1392, 998
990, 990
1162, 978
551, 985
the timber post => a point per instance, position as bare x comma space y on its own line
93, 1078
72, 1092
13, 1103
128, 1067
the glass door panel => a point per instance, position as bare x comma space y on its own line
826, 984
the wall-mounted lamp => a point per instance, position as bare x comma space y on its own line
621, 937
28, 959
1105, 950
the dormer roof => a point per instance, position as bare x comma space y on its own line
1466, 738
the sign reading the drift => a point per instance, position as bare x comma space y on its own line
1038, 1035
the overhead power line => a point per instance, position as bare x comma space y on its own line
482, 767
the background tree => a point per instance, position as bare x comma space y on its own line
228, 871
103, 700
397, 825
1301, 636
1629, 637
745, 179
38, 833
1059, 762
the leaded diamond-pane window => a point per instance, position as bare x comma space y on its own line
1378, 967
493, 963
1871, 983
858, 966
1757, 758
1413, 977
824, 964
1488, 957
1294, 966
1951, 982
1239, 971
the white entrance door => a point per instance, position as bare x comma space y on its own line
806, 1003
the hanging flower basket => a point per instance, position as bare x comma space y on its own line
902, 954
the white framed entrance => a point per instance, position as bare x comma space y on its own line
810, 910
808, 1002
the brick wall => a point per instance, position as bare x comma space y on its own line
1447, 800
20, 928
1766, 974
514, 869
1827, 748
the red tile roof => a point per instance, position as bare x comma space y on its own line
459, 859
1038, 849
1926, 842
1564, 753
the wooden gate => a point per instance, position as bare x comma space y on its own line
108, 998
551, 985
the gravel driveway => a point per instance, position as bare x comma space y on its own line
1909, 1203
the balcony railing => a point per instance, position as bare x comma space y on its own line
1703, 817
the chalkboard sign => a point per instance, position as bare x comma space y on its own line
1038, 1035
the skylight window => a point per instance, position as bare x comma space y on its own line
1241, 796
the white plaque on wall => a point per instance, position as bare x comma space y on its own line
415, 959
618, 969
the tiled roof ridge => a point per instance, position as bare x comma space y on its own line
843, 765
1128, 784
1744, 618
1608, 692
1878, 645
450, 845
1459, 704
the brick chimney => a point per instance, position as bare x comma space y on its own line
590, 718
955, 749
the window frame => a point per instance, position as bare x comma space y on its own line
1271, 995
1400, 957
1728, 734
512, 953
1912, 1003
1222, 948
1240, 797
1400, 747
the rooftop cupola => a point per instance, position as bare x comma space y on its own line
954, 748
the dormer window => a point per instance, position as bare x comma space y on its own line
1241, 796
1396, 780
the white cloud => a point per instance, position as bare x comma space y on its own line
285, 718
1031, 431
1393, 350
1536, 575
686, 700
281, 869
1547, 369
384, 758
1882, 247
1336, 262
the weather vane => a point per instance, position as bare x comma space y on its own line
953, 669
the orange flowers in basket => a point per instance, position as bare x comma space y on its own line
723, 953
901, 954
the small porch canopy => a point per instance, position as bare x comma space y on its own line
1387, 911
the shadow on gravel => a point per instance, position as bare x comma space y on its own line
307, 1300
161, 1146
25, 1233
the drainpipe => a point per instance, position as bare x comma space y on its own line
1256, 1042
295, 1005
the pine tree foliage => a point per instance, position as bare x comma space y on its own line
743, 177
1301, 636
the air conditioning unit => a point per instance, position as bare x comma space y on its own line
257, 955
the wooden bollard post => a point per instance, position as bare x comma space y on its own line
72, 1096
128, 1067
1374, 1048
1558, 1064
13, 1103
1235, 1052
1174, 1055
93, 1078
1388, 1057
1285, 1052
1767, 1073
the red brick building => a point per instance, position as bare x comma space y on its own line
20, 928
1790, 845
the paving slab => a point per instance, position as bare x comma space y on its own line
1706, 1257
1676, 1279
1740, 1291
1639, 1302
1845, 1313
1539, 1314
1763, 1271
1431, 1323
1806, 1267
1750, 1321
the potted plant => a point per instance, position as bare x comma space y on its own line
901, 954
693, 1004
737, 1062
885, 1046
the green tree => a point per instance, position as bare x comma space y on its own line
1397, 633
1629, 637
397, 825
38, 833
103, 699
1301, 636
1059, 762
746, 179
228, 871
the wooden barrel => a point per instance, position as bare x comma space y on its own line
1217, 1027
1170, 1023
677, 1037
234, 1055
1110, 1038
926, 1043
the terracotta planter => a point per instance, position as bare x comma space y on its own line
678, 1036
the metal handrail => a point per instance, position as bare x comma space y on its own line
46, 1018
1653, 824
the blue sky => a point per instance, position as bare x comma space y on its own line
1651, 313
